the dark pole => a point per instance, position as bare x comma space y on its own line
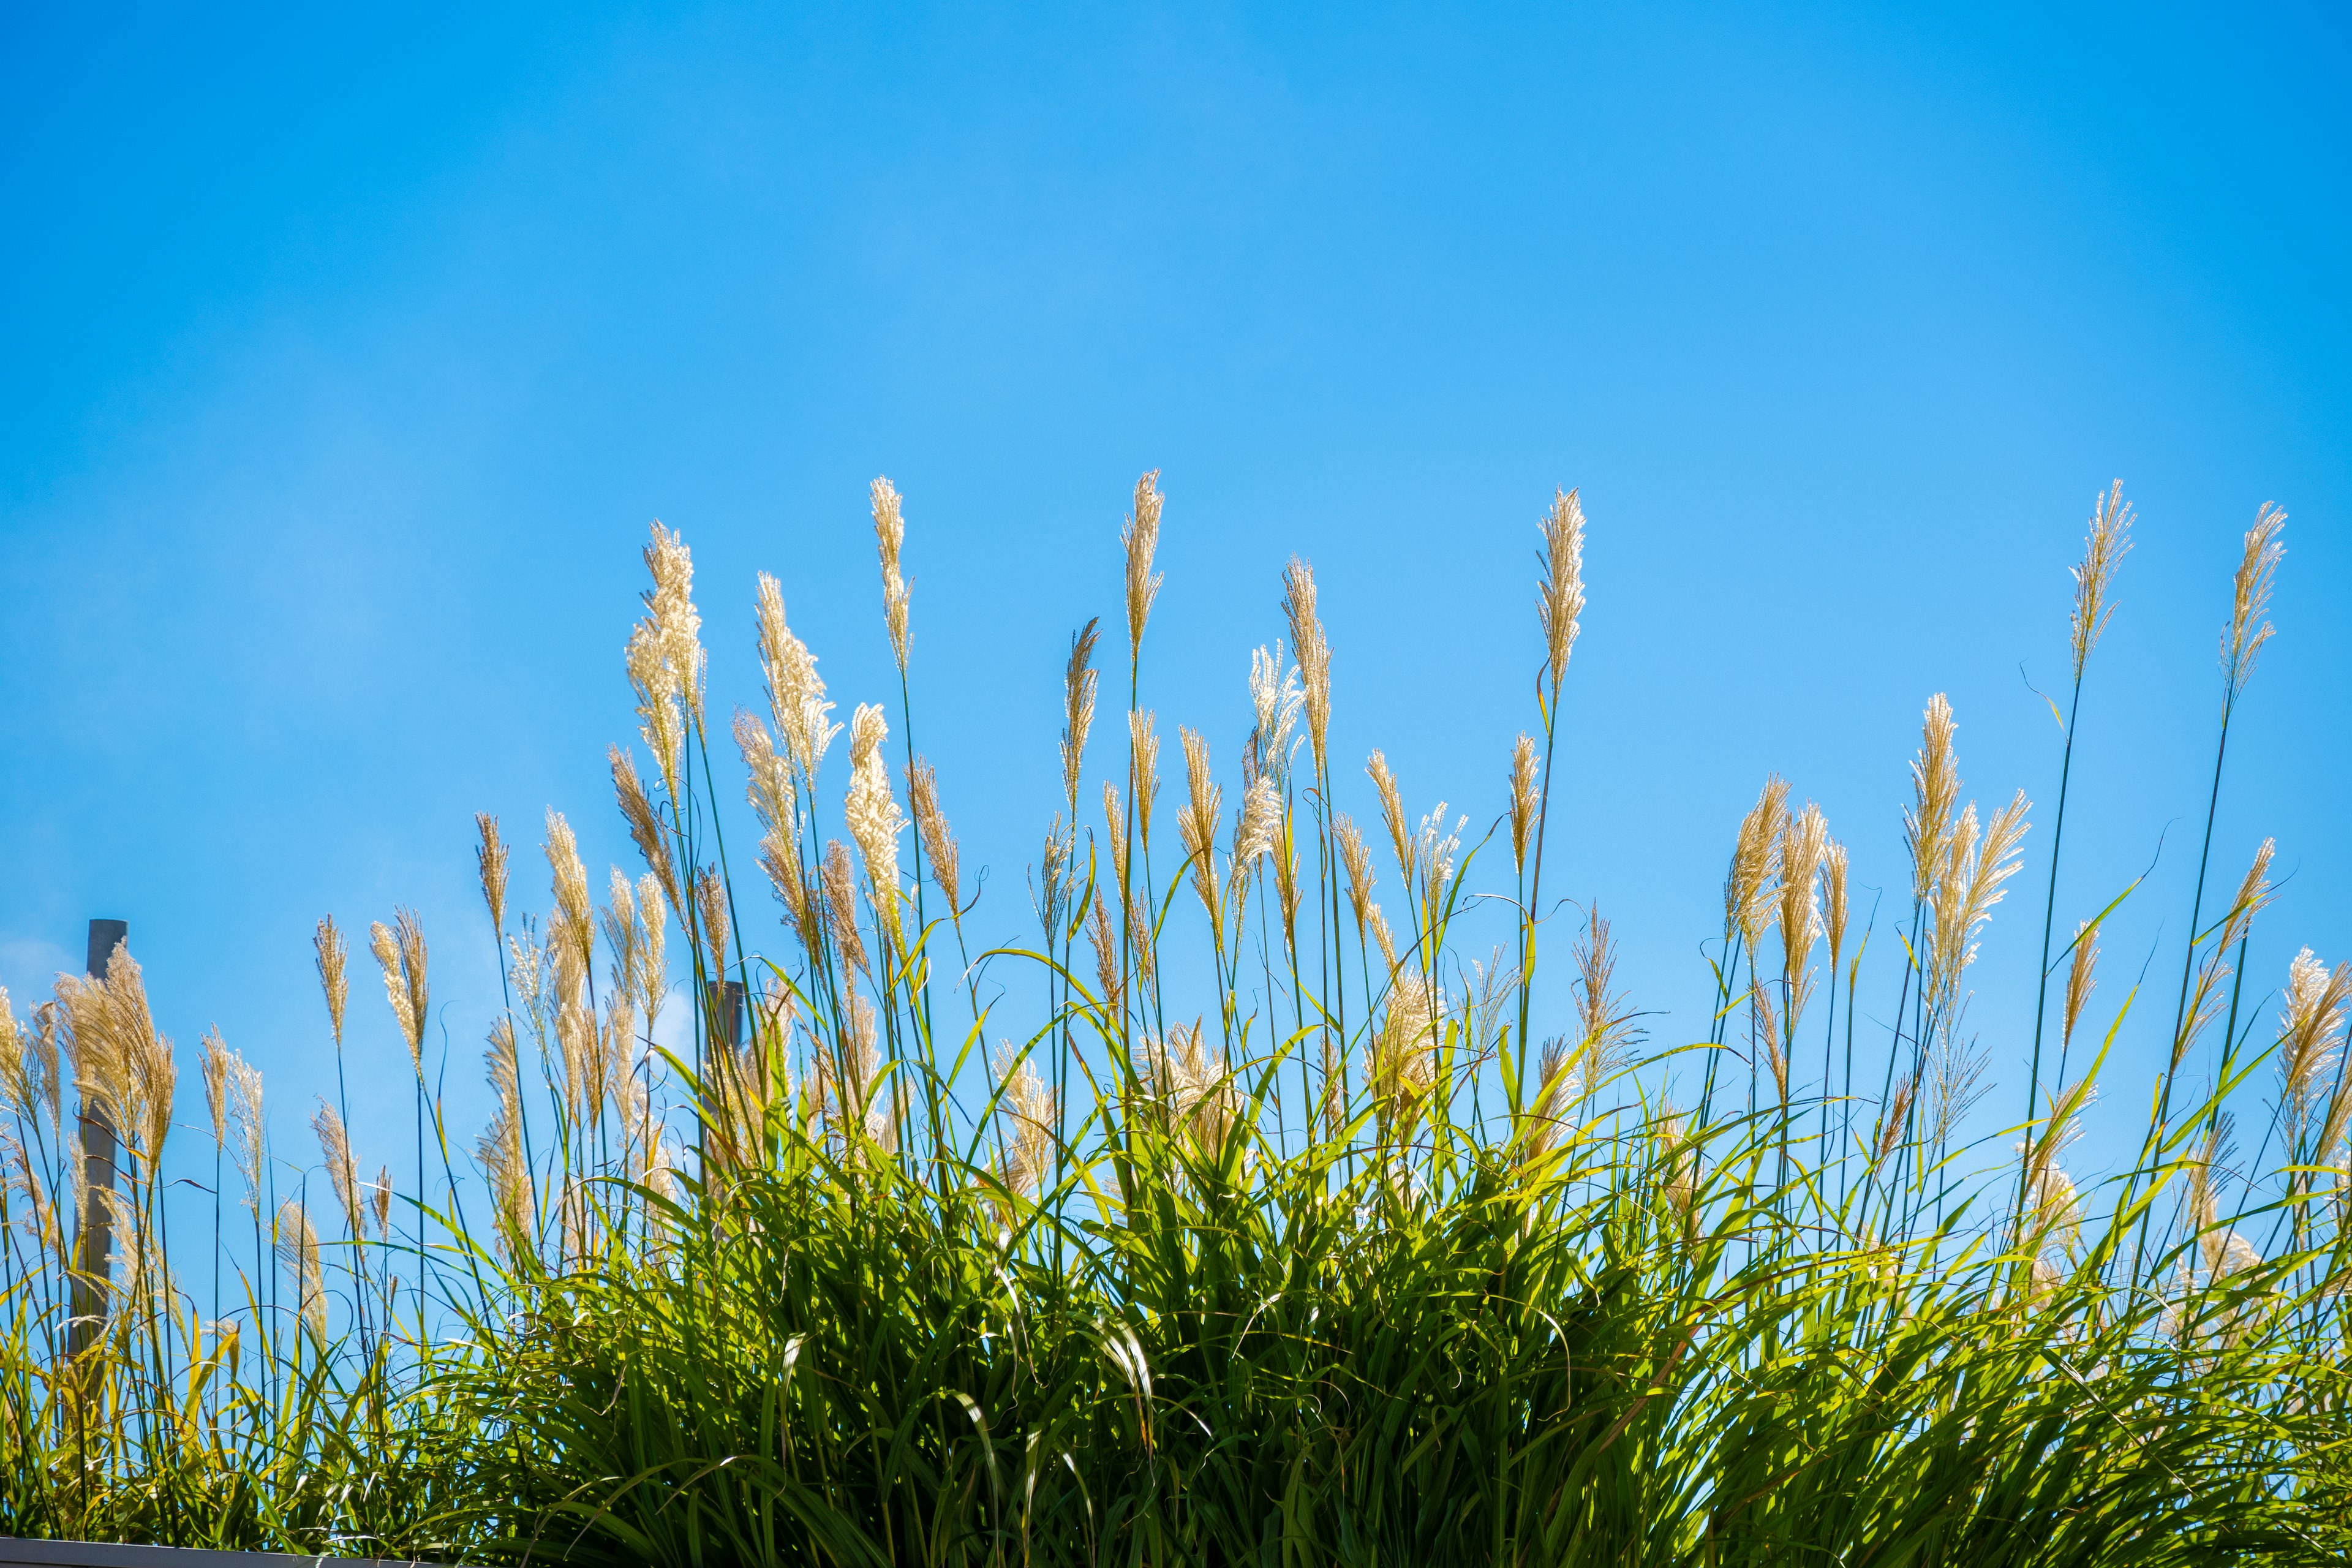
94, 1267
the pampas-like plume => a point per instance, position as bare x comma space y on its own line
243, 1125
665, 655
1545, 1121
646, 828
123, 1067
795, 694
1523, 801
840, 881
1891, 1126
491, 861
2081, 979
1747, 891
2253, 897
297, 1249
335, 1146
1393, 814
770, 790
2250, 598
1254, 836
1971, 884
1079, 684
1357, 857
1602, 1012
380, 1195
872, 814
2311, 1031
1275, 695
574, 907
1936, 786
401, 956
1143, 770
1312, 650
1834, 900
1803, 843
1028, 1108
214, 1061
1141, 538
1196, 821
938, 843
889, 539
710, 903
1104, 938
2103, 552
1559, 599
332, 958
653, 968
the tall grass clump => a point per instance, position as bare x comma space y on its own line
1244, 1211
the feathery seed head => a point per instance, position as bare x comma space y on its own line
1560, 599
1803, 843
840, 882
2311, 1031
1276, 694
1078, 683
1311, 650
2103, 552
1143, 769
938, 843
871, 812
332, 957
1393, 814
1834, 900
1936, 786
297, 1245
795, 694
1523, 801
1141, 537
1357, 857
382, 1196
335, 1146
490, 860
890, 537
644, 827
1196, 822
2253, 896
2081, 978
213, 1060
710, 904
1748, 892
1254, 837
2251, 601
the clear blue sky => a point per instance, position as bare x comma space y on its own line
348, 358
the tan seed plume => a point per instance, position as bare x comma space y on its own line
1143, 770
2311, 1035
297, 1249
1747, 891
1141, 538
335, 1146
400, 954
1559, 600
1078, 683
1392, 815
1357, 857
872, 816
939, 842
1311, 650
2081, 979
1936, 786
2250, 598
1115, 831
1804, 843
2253, 896
1523, 801
1834, 900
646, 828
490, 860
840, 881
710, 904
332, 958
890, 539
1196, 822
215, 1063
2103, 552
795, 693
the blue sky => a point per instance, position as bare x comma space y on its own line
350, 357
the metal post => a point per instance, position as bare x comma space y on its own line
94, 1265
